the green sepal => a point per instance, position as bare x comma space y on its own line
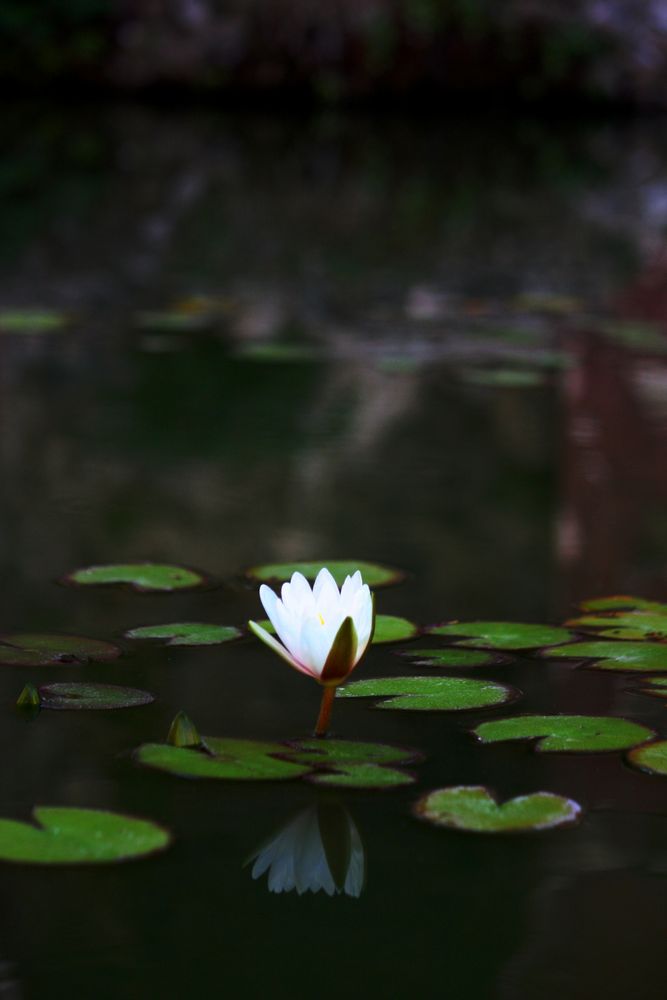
28, 698
184, 733
341, 655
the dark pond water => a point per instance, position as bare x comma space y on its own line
474, 389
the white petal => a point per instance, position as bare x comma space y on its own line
314, 645
325, 588
282, 620
273, 644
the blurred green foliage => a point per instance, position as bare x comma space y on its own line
51, 38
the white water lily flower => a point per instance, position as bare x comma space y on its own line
323, 632
320, 850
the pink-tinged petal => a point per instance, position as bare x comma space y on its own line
340, 660
273, 644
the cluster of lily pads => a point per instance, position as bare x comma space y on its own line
611, 634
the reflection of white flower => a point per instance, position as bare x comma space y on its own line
324, 632
320, 849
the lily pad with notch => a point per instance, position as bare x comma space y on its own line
186, 633
651, 758
501, 635
430, 694
98, 697
566, 733
79, 836
144, 576
451, 657
37, 649
474, 809
222, 759
631, 625
374, 574
623, 656
348, 764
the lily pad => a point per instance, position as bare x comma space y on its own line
473, 808
354, 765
566, 733
622, 602
504, 378
373, 574
638, 625
91, 696
186, 633
449, 657
79, 836
654, 686
230, 759
444, 694
140, 576
390, 628
31, 321
502, 635
621, 656
44, 649
651, 758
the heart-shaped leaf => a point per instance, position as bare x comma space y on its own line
473, 808
448, 694
502, 635
651, 758
79, 836
353, 765
36, 649
620, 656
230, 759
449, 657
566, 732
186, 633
140, 576
373, 574
91, 696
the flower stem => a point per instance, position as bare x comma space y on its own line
328, 695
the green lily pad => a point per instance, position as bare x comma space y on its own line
503, 378
449, 657
186, 633
79, 836
502, 635
639, 625
91, 696
621, 656
353, 765
622, 602
230, 759
390, 628
654, 686
139, 576
373, 574
444, 694
473, 808
651, 758
31, 321
45, 649
560, 733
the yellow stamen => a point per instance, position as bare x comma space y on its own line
321, 619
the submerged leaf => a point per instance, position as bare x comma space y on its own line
231, 759
473, 808
43, 649
141, 576
566, 732
445, 694
186, 633
620, 656
502, 635
101, 697
450, 657
79, 836
373, 574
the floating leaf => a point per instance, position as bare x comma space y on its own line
503, 378
651, 758
625, 624
183, 732
388, 628
373, 574
354, 765
473, 808
140, 576
449, 657
447, 694
31, 321
236, 760
566, 732
186, 633
622, 602
172, 321
655, 686
502, 635
622, 656
45, 649
91, 696
79, 836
